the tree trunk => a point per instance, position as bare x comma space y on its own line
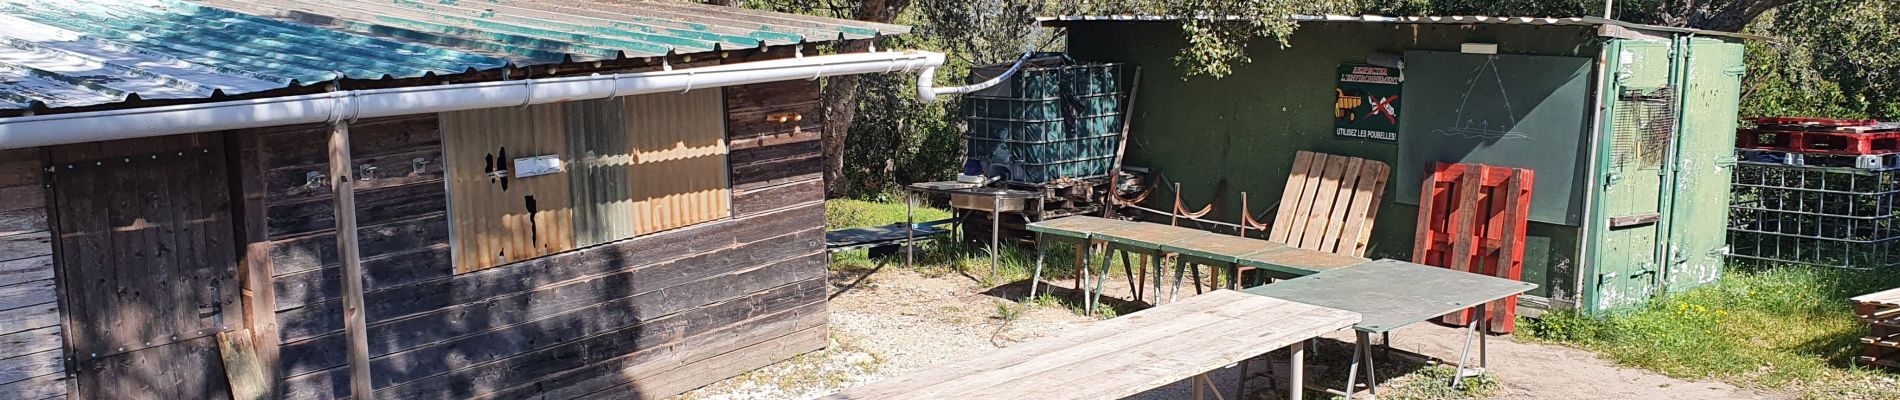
841, 95
841, 107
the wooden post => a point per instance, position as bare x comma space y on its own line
349, 259
255, 269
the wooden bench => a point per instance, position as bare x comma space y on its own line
1129, 355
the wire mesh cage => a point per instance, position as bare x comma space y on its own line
1645, 122
1822, 216
1056, 118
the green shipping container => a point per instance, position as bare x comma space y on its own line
1621, 122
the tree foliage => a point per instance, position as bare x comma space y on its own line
1833, 58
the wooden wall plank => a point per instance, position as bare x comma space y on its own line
753, 202
26, 196
26, 270
614, 374
49, 386
373, 207
29, 342
22, 221
381, 272
26, 294
307, 145
23, 367
723, 365
24, 245
27, 318
156, 373
481, 379
318, 250
429, 314
20, 167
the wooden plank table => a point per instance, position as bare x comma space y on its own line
1125, 356
1390, 294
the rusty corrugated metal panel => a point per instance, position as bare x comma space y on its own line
600, 172
679, 171
498, 217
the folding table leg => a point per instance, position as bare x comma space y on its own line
1372, 374
1296, 371
1352, 369
1101, 279
1129, 269
1035, 280
1155, 264
1484, 330
1196, 269
1178, 271
1083, 274
1458, 377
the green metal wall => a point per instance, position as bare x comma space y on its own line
1239, 133
1221, 137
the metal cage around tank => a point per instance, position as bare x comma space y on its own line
1054, 119
1838, 217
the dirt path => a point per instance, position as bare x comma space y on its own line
898, 321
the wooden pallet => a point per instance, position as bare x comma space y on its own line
1329, 203
1882, 344
1472, 218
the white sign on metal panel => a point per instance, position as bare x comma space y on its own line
535, 166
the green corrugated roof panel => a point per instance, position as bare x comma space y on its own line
79, 52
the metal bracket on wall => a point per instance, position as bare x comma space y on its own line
418, 166
313, 180
366, 172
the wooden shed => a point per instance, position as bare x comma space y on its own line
612, 246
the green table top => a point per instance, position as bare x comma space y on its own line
1221, 248
1390, 294
1151, 236
1298, 261
1080, 227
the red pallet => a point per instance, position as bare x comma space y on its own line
1812, 122
1823, 142
1472, 218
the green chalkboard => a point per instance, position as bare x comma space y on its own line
1506, 110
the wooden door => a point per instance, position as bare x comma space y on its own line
146, 265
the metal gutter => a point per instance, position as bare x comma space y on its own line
57, 129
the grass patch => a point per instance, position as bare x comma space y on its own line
849, 213
1788, 328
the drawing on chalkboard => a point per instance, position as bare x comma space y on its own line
1485, 123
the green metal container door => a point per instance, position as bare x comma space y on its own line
1665, 165
1697, 240
1630, 177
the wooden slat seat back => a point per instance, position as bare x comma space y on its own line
1329, 203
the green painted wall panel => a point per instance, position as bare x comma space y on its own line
1508, 110
1220, 137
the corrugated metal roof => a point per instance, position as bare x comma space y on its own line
65, 53
1452, 19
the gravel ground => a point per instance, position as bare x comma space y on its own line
897, 321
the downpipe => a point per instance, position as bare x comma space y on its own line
926, 81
